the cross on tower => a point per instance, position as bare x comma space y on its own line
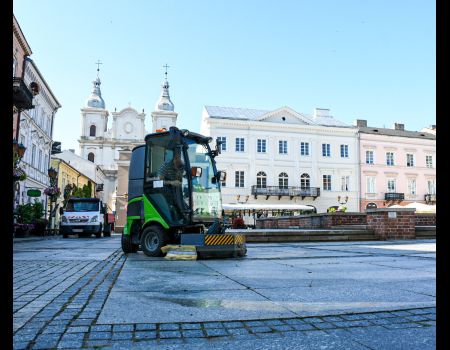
166, 66
98, 63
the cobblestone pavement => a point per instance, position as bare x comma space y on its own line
57, 304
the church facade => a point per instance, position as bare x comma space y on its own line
110, 148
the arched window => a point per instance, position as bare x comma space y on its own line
91, 157
283, 180
261, 180
92, 130
305, 181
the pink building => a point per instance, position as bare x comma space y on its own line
397, 166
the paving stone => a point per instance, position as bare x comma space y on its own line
360, 323
332, 318
303, 327
169, 334
169, 326
262, 329
191, 326
82, 322
146, 327
212, 325
352, 317
101, 328
282, 327
216, 332
233, 324
122, 335
401, 313
145, 335
122, 327
313, 319
323, 325
78, 329
20, 345
46, 341
98, 343
100, 335
54, 329
254, 323
70, 344
72, 336
238, 331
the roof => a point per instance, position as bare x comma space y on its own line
256, 114
393, 132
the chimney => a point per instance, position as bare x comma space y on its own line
321, 112
362, 123
398, 126
72, 150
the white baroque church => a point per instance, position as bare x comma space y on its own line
102, 145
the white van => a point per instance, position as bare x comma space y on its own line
85, 216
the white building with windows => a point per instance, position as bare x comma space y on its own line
35, 133
101, 145
283, 156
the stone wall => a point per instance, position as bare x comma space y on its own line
426, 219
326, 220
391, 223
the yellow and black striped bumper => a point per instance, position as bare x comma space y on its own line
226, 239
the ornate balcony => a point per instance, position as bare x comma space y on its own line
290, 191
393, 196
430, 198
22, 96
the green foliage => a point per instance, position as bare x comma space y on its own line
30, 212
332, 210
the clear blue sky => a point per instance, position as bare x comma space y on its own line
373, 60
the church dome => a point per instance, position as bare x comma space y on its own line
164, 103
95, 100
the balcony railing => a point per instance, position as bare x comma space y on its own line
393, 196
22, 96
430, 198
290, 191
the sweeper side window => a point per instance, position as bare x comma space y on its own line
166, 183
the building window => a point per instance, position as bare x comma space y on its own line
412, 186
409, 159
429, 161
344, 151
389, 158
370, 184
261, 180
282, 147
14, 66
326, 150
240, 144
239, 179
92, 130
261, 146
39, 161
431, 184
45, 167
326, 181
304, 148
91, 157
223, 145
369, 157
345, 183
391, 185
33, 155
283, 180
305, 181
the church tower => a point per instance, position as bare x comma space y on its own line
94, 123
164, 116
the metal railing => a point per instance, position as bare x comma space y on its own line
393, 196
22, 96
291, 191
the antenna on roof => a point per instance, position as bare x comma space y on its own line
98, 63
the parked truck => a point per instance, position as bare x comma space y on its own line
85, 216
174, 197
